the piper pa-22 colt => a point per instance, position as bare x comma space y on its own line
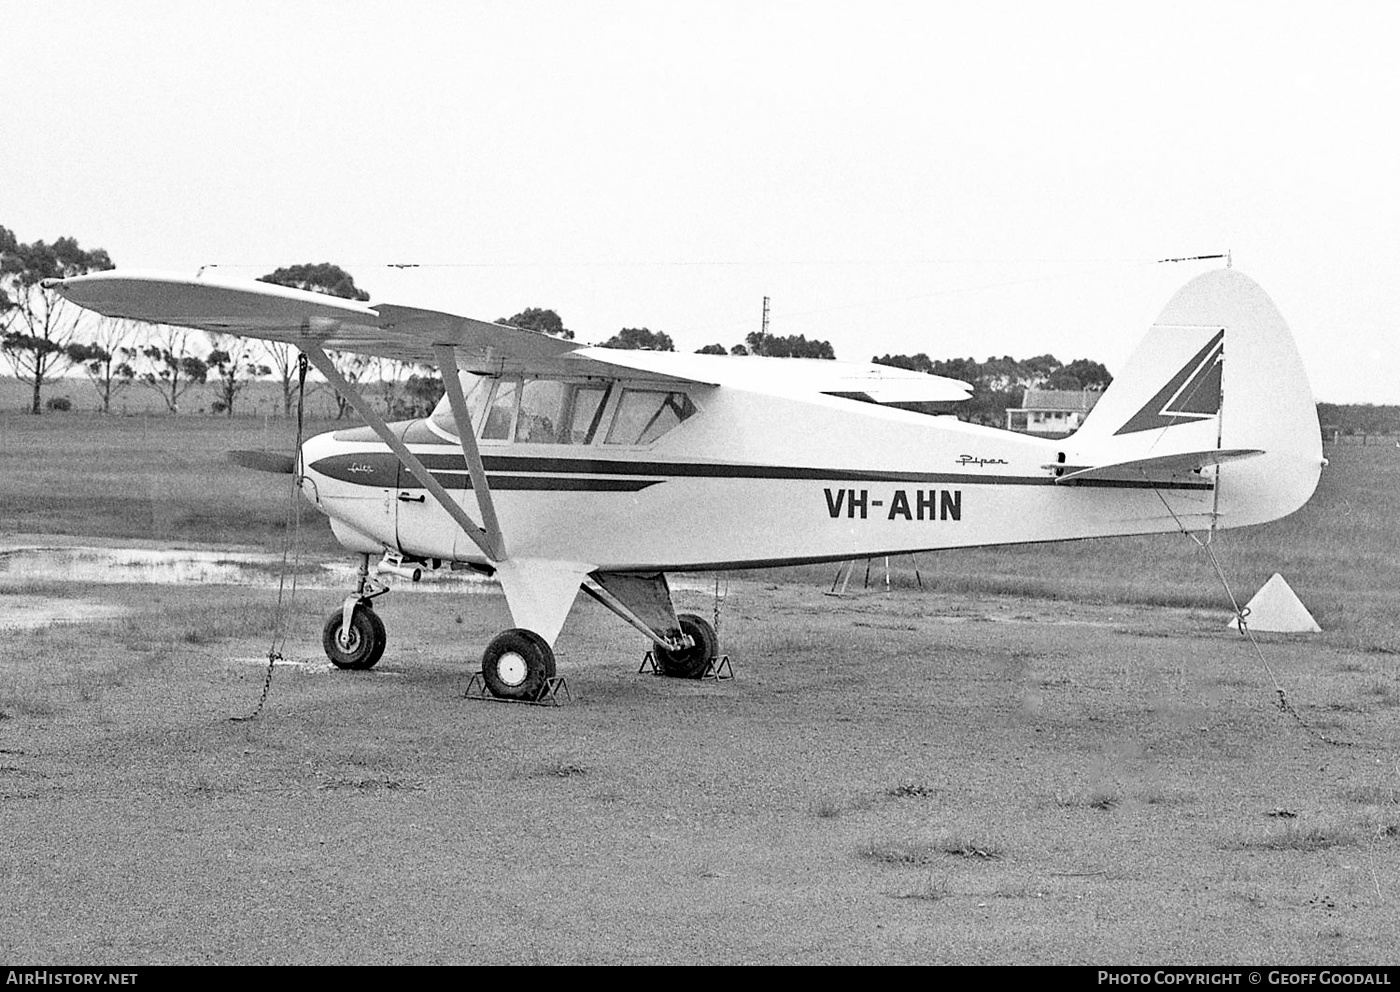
557, 467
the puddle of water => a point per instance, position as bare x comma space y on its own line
146, 566
32, 612
153, 566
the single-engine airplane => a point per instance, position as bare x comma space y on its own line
557, 467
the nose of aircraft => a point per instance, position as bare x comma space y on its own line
313, 449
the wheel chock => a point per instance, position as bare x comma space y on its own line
718, 670
549, 692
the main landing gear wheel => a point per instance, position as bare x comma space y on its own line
360, 647
517, 664
694, 661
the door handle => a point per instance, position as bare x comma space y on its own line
410, 498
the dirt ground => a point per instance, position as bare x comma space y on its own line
893, 777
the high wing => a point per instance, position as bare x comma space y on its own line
789, 376
305, 319
297, 317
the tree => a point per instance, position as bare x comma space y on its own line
325, 278
913, 363
331, 280
1063, 382
37, 323
793, 346
544, 321
284, 366
713, 349
1040, 369
1001, 374
105, 359
352, 367
420, 394
1090, 375
640, 339
234, 367
173, 370
965, 369
1359, 418
389, 374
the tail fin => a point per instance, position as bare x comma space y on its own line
1216, 382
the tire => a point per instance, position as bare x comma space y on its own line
381, 637
362, 647
517, 664
692, 662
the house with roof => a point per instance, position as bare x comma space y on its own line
1052, 412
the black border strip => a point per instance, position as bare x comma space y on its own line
564, 474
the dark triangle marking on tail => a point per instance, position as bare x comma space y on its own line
1192, 394
1202, 397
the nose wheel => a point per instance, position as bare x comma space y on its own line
359, 645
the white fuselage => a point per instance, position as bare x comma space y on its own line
750, 479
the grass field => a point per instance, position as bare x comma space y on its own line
1050, 754
147, 478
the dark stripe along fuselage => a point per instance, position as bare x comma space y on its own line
381, 469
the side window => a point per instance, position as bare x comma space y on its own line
553, 412
500, 415
643, 415
542, 409
587, 411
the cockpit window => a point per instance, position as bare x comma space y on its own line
553, 412
500, 415
476, 388
535, 411
644, 415
541, 411
588, 403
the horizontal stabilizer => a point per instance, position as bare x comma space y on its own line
1177, 463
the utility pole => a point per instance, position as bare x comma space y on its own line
763, 331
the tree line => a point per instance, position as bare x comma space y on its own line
1358, 418
1000, 384
43, 337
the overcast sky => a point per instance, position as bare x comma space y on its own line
958, 179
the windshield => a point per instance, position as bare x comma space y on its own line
476, 388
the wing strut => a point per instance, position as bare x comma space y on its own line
481, 538
466, 433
